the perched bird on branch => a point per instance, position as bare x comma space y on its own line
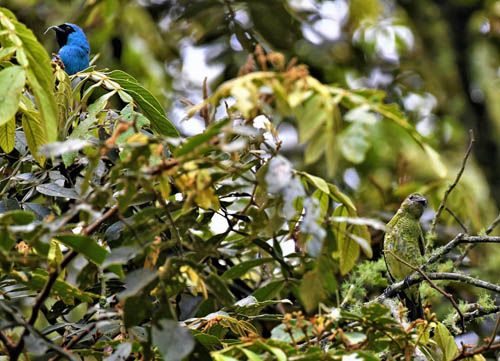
74, 48
405, 240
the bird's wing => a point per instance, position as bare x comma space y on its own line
421, 243
387, 267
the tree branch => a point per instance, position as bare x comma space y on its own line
470, 246
452, 186
460, 238
9, 345
488, 345
433, 285
415, 278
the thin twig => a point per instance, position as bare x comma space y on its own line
205, 111
493, 225
457, 219
251, 201
494, 332
469, 247
76, 339
433, 285
450, 188
488, 345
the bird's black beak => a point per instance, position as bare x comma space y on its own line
55, 28
423, 201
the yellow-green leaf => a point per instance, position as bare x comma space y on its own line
34, 133
40, 78
12, 80
8, 135
445, 342
316, 147
354, 142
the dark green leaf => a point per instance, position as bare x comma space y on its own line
270, 290
85, 245
241, 268
148, 103
55, 190
174, 341
136, 281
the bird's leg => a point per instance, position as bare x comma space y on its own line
406, 281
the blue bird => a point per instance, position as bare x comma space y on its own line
74, 48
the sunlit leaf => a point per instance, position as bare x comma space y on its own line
12, 81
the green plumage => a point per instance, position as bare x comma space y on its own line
405, 239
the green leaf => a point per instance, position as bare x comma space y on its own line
280, 332
280, 355
311, 290
318, 182
175, 342
219, 289
122, 352
354, 142
136, 281
38, 278
17, 218
12, 80
319, 284
85, 245
361, 114
331, 152
241, 268
148, 103
6, 241
8, 135
316, 147
34, 131
55, 190
361, 235
40, 78
247, 95
445, 342
136, 310
310, 117
340, 197
349, 249
197, 140
130, 116
252, 356
206, 339
269, 290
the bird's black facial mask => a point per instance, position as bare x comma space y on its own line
62, 33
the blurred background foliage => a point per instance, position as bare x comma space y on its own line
438, 60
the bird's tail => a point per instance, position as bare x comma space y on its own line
415, 309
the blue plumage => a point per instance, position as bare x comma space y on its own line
74, 47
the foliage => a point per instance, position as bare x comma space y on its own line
121, 239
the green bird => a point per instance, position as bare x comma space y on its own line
405, 239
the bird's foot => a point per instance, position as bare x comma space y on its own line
406, 281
